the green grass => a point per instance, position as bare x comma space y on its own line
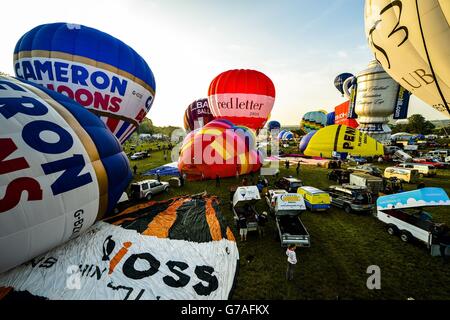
342, 247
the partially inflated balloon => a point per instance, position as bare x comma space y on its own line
219, 149
100, 72
313, 120
245, 97
197, 115
341, 139
60, 170
411, 40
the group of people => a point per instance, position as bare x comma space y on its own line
260, 218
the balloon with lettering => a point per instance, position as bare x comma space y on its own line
339, 81
341, 115
410, 39
61, 169
219, 149
342, 139
100, 72
313, 120
197, 115
245, 97
273, 125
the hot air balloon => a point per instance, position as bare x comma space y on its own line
100, 72
313, 120
410, 39
273, 125
245, 97
219, 149
339, 81
197, 115
146, 252
286, 135
63, 170
342, 139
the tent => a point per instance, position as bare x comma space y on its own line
170, 169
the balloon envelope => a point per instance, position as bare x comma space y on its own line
245, 97
410, 39
64, 170
197, 115
313, 120
100, 72
330, 118
339, 81
341, 139
219, 149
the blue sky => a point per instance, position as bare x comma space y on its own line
300, 44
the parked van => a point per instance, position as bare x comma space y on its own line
315, 199
424, 169
405, 174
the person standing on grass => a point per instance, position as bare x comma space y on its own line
242, 224
135, 169
217, 181
297, 170
292, 261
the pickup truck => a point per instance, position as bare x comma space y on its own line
287, 208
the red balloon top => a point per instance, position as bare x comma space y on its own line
242, 81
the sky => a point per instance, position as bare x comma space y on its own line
302, 45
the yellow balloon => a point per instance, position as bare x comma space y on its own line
341, 139
411, 40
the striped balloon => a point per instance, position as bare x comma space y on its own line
100, 72
219, 149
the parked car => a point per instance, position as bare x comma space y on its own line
431, 161
424, 169
391, 149
289, 184
405, 174
351, 198
408, 219
148, 188
358, 160
365, 168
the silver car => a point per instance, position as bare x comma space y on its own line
148, 188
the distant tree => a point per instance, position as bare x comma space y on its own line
416, 124
3, 73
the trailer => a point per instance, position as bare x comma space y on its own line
403, 213
291, 230
244, 200
373, 184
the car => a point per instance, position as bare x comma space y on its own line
351, 198
358, 160
290, 184
139, 155
431, 161
391, 149
146, 189
365, 168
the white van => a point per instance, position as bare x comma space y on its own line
424, 169
405, 174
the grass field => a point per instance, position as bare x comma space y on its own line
343, 246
